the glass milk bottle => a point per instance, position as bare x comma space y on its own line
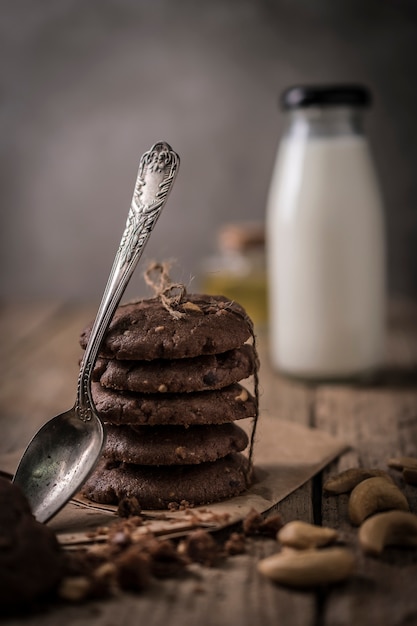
325, 239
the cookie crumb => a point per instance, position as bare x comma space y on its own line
120, 538
133, 569
166, 561
235, 544
255, 524
184, 505
201, 548
129, 506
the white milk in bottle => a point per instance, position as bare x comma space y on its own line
325, 240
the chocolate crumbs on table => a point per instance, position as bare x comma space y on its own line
129, 506
200, 547
255, 524
235, 544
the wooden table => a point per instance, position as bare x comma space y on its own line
39, 347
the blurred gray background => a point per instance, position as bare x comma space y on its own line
87, 86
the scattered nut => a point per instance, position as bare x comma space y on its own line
347, 480
308, 568
392, 528
408, 465
181, 452
403, 462
243, 396
302, 535
75, 588
106, 571
162, 388
372, 496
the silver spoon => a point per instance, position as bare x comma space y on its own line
65, 450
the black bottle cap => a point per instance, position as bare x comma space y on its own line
301, 96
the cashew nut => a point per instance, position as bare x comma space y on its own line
372, 496
301, 535
403, 462
408, 465
392, 528
308, 568
347, 480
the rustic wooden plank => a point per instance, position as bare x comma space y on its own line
298, 505
19, 321
378, 423
39, 379
381, 593
282, 397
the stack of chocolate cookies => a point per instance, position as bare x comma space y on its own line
167, 386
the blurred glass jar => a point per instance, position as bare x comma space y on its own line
325, 239
237, 269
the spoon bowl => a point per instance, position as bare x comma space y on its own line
58, 460
64, 452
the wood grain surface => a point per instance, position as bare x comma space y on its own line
39, 366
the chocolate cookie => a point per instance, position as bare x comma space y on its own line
177, 376
31, 563
205, 407
173, 445
157, 487
145, 330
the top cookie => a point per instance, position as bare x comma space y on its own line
145, 330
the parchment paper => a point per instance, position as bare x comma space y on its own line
286, 456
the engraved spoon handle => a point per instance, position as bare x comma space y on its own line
157, 171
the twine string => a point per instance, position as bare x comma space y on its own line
170, 294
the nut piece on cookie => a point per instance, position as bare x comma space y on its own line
132, 335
